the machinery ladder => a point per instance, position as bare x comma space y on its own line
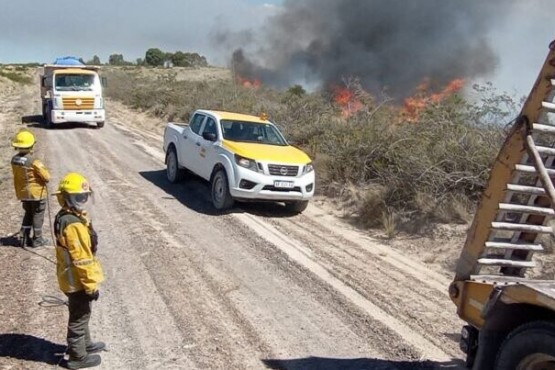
529, 200
512, 220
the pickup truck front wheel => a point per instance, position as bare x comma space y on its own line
173, 172
221, 198
297, 206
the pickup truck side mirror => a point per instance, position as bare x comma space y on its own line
43, 82
104, 81
210, 136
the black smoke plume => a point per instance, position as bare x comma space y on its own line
391, 45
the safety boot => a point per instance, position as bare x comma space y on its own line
87, 361
96, 347
40, 242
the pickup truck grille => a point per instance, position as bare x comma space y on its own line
281, 170
273, 188
78, 103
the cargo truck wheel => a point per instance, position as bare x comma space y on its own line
529, 347
100, 124
48, 118
297, 206
221, 198
173, 172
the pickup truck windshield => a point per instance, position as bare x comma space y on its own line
250, 132
74, 82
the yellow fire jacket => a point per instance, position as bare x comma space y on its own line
77, 266
30, 177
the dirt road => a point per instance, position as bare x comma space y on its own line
188, 288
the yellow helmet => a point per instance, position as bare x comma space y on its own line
24, 139
73, 191
74, 183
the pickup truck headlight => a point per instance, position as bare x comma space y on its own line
308, 168
246, 163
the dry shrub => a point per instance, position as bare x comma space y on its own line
431, 170
434, 170
450, 209
373, 206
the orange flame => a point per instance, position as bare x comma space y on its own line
418, 103
347, 100
248, 83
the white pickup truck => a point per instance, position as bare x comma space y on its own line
244, 157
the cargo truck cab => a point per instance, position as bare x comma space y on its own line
72, 92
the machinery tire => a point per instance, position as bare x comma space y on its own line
528, 347
221, 198
173, 172
100, 124
297, 206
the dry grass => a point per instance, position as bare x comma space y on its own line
389, 224
16, 74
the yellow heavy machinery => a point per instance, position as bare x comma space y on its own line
511, 314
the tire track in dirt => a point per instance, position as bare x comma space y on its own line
347, 284
423, 308
396, 284
388, 348
224, 236
420, 310
322, 221
109, 165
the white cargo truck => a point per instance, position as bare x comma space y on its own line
72, 92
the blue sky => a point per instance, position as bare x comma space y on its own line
30, 31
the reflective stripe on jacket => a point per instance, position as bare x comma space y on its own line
77, 267
30, 177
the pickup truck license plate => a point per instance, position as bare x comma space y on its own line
284, 184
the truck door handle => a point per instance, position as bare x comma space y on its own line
185, 136
198, 144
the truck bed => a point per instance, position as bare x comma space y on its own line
172, 133
180, 124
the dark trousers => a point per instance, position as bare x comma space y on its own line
34, 217
78, 334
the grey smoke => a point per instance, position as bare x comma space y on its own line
386, 44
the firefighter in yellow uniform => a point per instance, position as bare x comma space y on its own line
78, 269
30, 179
